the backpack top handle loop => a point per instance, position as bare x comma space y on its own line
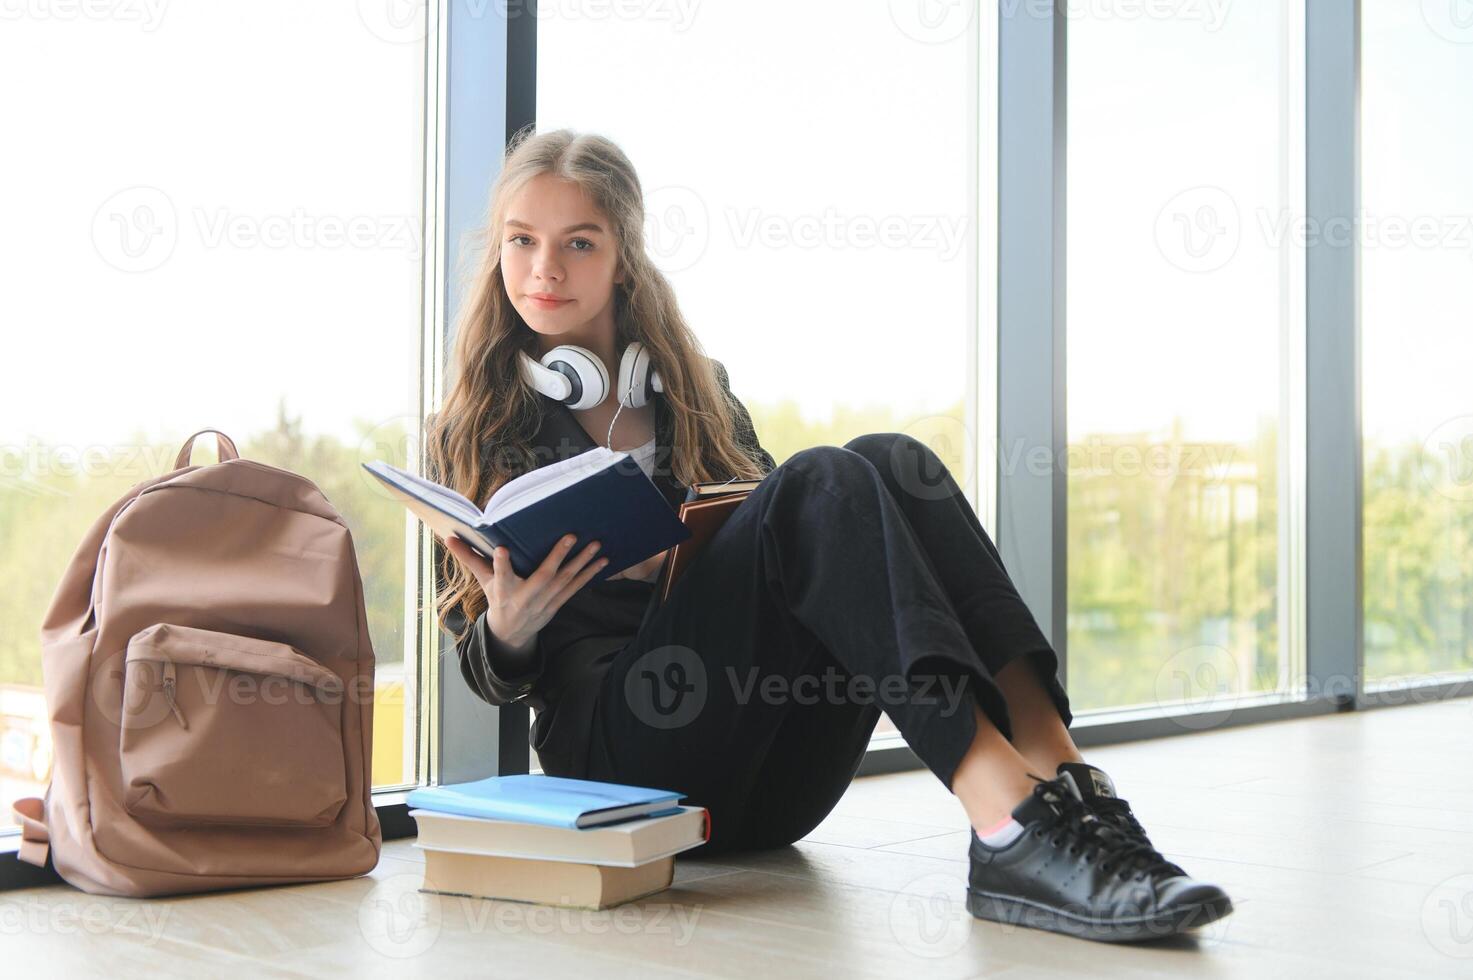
224, 447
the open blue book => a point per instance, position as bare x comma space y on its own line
599, 495
556, 801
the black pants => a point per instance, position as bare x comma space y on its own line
851, 581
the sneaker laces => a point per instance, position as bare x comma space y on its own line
1118, 812
1127, 855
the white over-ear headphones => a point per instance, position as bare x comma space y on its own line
577, 377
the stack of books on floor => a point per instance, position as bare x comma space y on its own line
572, 843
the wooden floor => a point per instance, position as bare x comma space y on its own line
1345, 841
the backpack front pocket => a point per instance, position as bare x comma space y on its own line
219, 728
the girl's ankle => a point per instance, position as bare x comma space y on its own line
996, 807
1045, 762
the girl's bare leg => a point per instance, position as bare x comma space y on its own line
992, 777
1039, 735
994, 774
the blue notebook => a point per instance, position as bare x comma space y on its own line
556, 801
599, 495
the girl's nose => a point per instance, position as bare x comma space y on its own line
546, 266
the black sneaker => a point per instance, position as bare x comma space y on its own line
1070, 872
1097, 790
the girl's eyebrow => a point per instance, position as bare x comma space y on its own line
586, 226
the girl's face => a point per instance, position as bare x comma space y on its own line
558, 261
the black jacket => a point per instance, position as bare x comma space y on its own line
574, 649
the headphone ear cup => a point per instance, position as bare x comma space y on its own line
584, 371
637, 378
545, 380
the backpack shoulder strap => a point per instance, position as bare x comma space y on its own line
35, 839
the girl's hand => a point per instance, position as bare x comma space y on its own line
646, 571
517, 608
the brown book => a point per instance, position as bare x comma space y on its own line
705, 509
564, 884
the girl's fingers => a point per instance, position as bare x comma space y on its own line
577, 582
549, 566
468, 557
561, 565
502, 577
577, 563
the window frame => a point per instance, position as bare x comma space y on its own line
464, 47
1031, 327
1020, 287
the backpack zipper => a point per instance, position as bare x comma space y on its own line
169, 694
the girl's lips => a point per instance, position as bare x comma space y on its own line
549, 304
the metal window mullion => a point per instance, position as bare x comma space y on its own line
1032, 488
489, 92
982, 347
1333, 473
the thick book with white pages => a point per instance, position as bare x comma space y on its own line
598, 495
624, 845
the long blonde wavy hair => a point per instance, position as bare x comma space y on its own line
481, 437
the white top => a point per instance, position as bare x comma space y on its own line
645, 456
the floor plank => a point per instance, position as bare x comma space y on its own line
1347, 849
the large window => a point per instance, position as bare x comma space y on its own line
213, 218
1185, 312
812, 197
1416, 301
200, 241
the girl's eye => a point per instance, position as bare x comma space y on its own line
517, 240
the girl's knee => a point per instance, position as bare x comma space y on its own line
909, 467
872, 451
873, 444
883, 448
895, 461
835, 460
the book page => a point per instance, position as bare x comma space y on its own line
456, 503
546, 481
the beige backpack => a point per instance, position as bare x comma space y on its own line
209, 682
